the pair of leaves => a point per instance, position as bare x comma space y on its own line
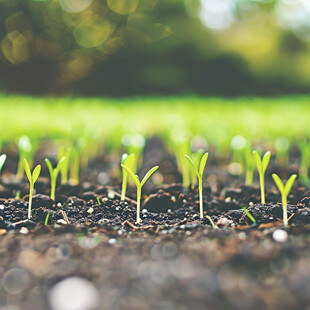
261, 164
2, 160
201, 166
35, 174
54, 172
284, 189
135, 177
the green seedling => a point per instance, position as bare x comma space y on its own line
128, 161
261, 165
2, 161
249, 163
54, 174
139, 185
32, 179
199, 172
304, 148
64, 169
98, 200
17, 197
284, 190
249, 215
74, 166
47, 218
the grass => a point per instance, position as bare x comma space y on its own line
255, 118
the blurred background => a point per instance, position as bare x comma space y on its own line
154, 47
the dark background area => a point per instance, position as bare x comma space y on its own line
154, 47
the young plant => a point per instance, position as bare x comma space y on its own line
74, 166
284, 190
32, 179
127, 160
47, 218
249, 215
64, 169
139, 185
199, 172
261, 165
2, 161
54, 174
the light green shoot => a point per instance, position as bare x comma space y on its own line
46, 219
199, 172
249, 162
2, 161
65, 165
139, 185
74, 166
54, 174
32, 179
261, 165
249, 215
129, 161
284, 190
98, 201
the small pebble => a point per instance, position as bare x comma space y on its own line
58, 204
144, 211
112, 241
280, 235
24, 231
90, 210
1, 207
61, 221
111, 195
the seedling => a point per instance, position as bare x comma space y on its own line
284, 190
2, 161
64, 169
46, 219
249, 215
32, 179
127, 160
139, 185
98, 200
54, 174
74, 166
261, 165
199, 173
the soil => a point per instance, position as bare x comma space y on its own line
94, 256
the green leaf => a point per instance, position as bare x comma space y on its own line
49, 166
278, 182
289, 183
2, 160
124, 156
148, 174
129, 161
132, 175
36, 173
192, 165
265, 161
27, 170
202, 163
257, 160
60, 164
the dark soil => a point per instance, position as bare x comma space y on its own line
93, 256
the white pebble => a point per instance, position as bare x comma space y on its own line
73, 294
24, 231
280, 235
112, 241
90, 210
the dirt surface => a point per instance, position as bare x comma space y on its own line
92, 255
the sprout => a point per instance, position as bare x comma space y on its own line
127, 160
32, 179
98, 200
284, 190
249, 215
139, 185
47, 218
65, 165
2, 161
199, 173
75, 166
54, 174
261, 165
304, 148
